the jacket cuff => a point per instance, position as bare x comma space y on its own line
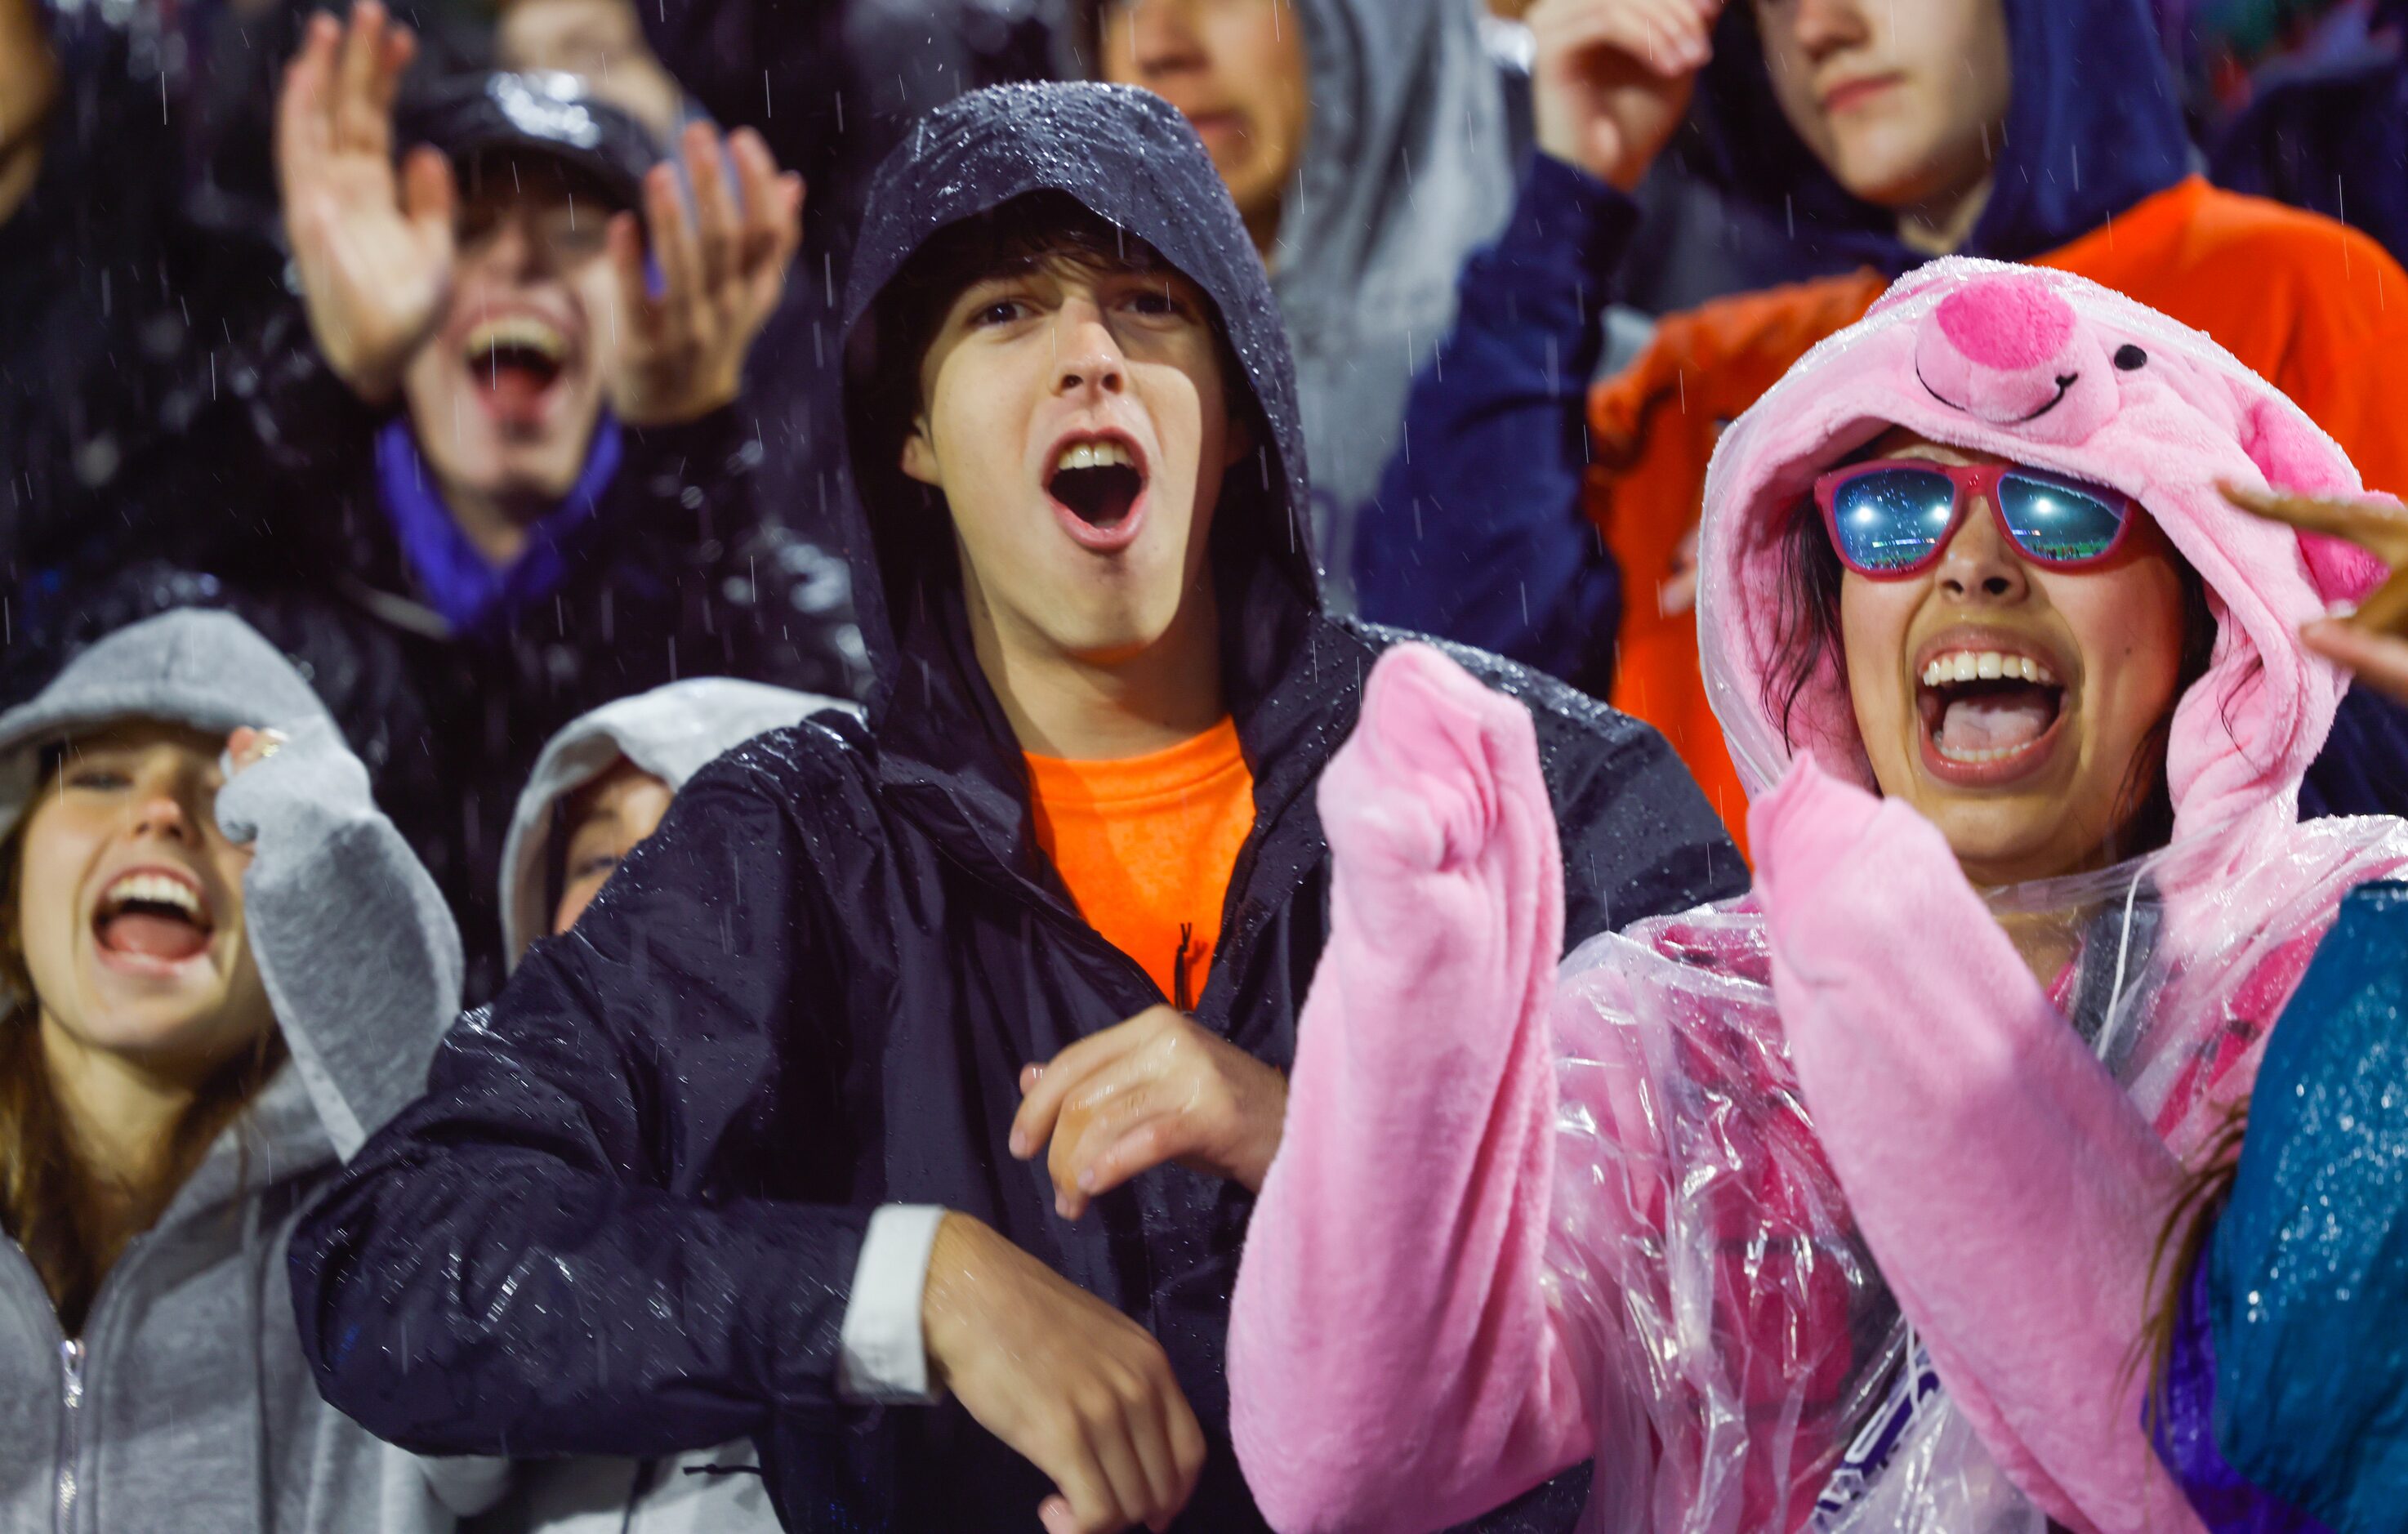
885, 1360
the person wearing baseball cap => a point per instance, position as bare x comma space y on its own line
506, 474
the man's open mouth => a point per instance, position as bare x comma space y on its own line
1099, 480
514, 359
152, 914
1983, 708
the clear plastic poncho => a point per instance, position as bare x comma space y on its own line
1754, 1361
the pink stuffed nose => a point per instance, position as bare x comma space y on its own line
2007, 348
2006, 323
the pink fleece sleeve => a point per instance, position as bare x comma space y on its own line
2010, 1190
1394, 1363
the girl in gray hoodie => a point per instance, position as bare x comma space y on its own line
600, 786
219, 970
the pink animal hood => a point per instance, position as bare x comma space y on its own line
2053, 370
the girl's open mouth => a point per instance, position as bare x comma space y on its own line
1989, 716
152, 920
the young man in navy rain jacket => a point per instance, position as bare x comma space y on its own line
817, 1108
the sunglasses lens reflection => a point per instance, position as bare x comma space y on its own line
1891, 520
2060, 522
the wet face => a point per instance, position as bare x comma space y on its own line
605, 820
602, 40
130, 903
1235, 69
1903, 102
2030, 763
504, 395
1078, 423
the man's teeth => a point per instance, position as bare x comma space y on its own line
1985, 666
154, 889
520, 332
1095, 455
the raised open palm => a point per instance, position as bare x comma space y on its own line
375, 248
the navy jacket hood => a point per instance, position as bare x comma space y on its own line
2092, 126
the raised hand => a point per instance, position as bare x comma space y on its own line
248, 747
375, 248
723, 269
1069, 1383
1157, 1088
2373, 642
1613, 78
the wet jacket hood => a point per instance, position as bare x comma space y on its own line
2094, 126
1129, 158
2050, 369
670, 731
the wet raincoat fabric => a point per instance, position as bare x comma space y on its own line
1814, 1210
2294, 1314
811, 992
191, 1405
673, 569
1542, 519
1407, 168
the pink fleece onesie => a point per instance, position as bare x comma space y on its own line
1438, 1308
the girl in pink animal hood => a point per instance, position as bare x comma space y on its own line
1835, 1207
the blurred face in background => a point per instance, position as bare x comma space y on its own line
504, 395
129, 907
599, 39
1236, 70
1901, 100
604, 821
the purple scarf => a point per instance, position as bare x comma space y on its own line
458, 580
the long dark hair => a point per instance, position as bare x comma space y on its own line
1810, 636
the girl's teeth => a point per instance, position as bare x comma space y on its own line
1985, 666
155, 889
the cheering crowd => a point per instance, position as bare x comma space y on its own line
1223, 764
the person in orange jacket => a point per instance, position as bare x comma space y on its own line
2043, 131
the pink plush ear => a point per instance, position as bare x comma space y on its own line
2294, 456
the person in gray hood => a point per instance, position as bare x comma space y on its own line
600, 787
219, 970
1366, 145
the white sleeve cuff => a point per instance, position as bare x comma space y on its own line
884, 1360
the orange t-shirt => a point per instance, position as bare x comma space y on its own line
1147, 844
2318, 309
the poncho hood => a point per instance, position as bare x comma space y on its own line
670, 731
2094, 126
2053, 370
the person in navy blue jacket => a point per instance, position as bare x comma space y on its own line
749, 1152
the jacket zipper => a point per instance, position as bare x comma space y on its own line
71, 1362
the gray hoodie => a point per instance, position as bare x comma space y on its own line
1407, 169
186, 1404
671, 732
